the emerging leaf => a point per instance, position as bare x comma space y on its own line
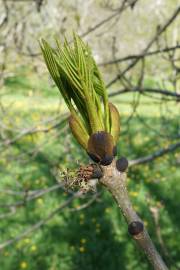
93, 122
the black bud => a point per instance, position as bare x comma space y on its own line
135, 227
107, 160
122, 164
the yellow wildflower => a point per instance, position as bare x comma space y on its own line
146, 223
23, 265
107, 210
83, 241
40, 201
133, 193
82, 249
33, 248
27, 240
81, 216
37, 182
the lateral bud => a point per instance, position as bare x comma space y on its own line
122, 164
135, 228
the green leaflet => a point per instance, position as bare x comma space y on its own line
49, 57
74, 70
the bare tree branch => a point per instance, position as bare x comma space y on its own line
148, 90
109, 18
155, 37
136, 56
155, 155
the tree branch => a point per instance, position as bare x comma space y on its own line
136, 56
122, 7
156, 154
155, 37
146, 89
115, 182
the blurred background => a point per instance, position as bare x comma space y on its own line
136, 44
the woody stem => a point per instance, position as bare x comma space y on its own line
115, 181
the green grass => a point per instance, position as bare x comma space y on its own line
96, 237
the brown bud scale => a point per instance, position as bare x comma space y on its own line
101, 147
92, 171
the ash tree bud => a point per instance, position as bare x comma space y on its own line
122, 164
101, 148
135, 228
